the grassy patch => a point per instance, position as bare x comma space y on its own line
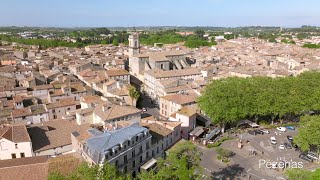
219, 142
64, 165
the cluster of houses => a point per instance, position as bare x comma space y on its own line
76, 100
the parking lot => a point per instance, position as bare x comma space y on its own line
251, 164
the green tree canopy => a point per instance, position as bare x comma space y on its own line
182, 162
232, 99
298, 174
309, 133
86, 172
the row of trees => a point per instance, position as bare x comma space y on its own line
44, 43
288, 41
230, 100
298, 174
312, 46
308, 138
182, 162
171, 37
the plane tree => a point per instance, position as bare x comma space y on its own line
229, 100
223, 100
308, 137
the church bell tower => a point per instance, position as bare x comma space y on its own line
134, 44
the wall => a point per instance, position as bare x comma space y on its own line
8, 147
188, 123
55, 151
88, 118
37, 118
59, 112
41, 94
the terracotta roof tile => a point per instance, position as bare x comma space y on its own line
54, 133
179, 98
28, 168
117, 72
15, 134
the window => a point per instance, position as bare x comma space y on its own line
140, 150
68, 109
16, 145
53, 110
147, 145
13, 155
133, 163
157, 149
136, 138
116, 163
125, 159
133, 153
140, 159
147, 155
22, 155
125, 169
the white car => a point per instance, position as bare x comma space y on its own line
273, 140
282, 129
265, 131
144, 110
281, 146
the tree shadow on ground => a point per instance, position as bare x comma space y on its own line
230, 172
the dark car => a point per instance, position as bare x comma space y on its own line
305, 157
258, 131
252, 132
290, 139
287, 145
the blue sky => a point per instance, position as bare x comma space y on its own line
109, 13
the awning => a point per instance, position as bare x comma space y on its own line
197, 131
149, 164
213, 133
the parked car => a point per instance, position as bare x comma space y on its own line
290, 139
282, 129
252, 132
265, 131
281, 146
258, 131
305, 157
290, 127
273, 140
144, 110
287, 145
312, 156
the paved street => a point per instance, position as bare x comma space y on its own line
243, 164
146, 102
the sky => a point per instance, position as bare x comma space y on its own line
129, 13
